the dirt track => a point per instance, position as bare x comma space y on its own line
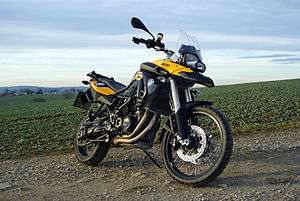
263, 167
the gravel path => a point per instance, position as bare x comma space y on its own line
264, 166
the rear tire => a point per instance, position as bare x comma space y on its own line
93, 158
221, 161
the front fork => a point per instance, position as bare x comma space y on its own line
181, 113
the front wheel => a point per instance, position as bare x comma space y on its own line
209, 152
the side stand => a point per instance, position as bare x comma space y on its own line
152, 159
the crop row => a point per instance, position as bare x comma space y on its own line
38, 127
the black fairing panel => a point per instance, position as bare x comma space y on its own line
157, 99
198, 78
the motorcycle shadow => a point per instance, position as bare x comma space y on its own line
136, 162
260, 168
131, 158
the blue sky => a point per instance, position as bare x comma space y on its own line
55, 42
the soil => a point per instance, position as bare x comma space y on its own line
264, 166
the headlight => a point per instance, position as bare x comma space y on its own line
200, 66
193, 62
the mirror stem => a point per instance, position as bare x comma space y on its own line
151, 34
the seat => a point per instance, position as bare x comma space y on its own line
110, 82
116, 86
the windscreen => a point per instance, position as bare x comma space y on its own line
187, 43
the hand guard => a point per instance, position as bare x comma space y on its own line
136, 40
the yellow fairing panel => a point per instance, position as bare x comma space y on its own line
171, 67
102, 90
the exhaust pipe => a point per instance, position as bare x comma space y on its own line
134, 139
138, 127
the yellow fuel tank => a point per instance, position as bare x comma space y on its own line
170, 66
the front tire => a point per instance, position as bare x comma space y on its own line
170, 146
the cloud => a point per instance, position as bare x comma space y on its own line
61, 67
111, 16
31, 36
295, 60
59, 40
20, 35
75, 24
267, 56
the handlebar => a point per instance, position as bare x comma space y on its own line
93, 74
157, 45
150, 43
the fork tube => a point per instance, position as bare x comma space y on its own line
188, 95
175, 94
180, 113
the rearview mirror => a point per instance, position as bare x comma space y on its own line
138, 24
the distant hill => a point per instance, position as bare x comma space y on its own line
20, 89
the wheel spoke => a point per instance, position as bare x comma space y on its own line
195, 169
176, 158
201, 168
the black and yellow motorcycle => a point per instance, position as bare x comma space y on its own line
196, 137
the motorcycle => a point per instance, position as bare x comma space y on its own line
196, 137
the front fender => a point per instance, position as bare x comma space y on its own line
187, 108
193, 104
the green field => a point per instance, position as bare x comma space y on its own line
29, 127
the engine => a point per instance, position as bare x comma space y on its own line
124, 120
125, 123
126, 114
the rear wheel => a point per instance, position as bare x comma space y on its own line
86, 151
209, 152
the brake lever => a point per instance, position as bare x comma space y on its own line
158, 49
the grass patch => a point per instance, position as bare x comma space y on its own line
28, 127
257, 106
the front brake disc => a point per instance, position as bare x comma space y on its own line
193, 155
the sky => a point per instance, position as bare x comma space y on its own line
56, 42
